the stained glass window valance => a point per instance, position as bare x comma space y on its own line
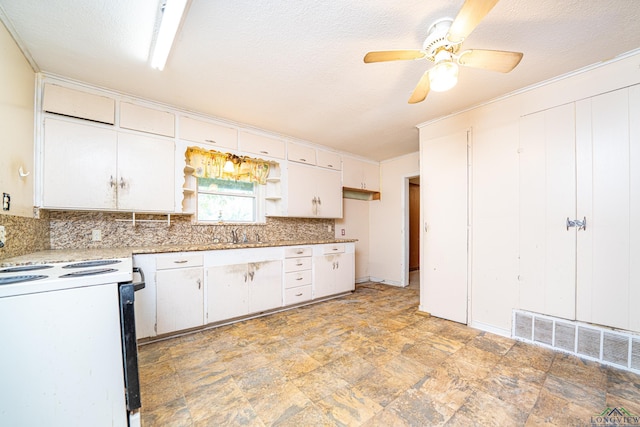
214, 164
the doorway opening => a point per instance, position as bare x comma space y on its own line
412, 231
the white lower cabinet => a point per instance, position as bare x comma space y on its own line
298, 275
227, 292
333, 269
189, 289
237, 289
180, 293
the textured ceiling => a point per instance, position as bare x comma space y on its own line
294, 67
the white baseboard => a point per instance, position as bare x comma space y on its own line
492, 329
386, 282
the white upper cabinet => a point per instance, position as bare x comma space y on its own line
301, 153
146, 179
314, 192
262, 145
208, 133
360, 175
79, 166
329, 159
74, 103
137, 117
89, 167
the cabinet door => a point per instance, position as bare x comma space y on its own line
208, 133
323, 275
265, 285
328, 159
608, 150
547, 281
444, 199
79, 169
75, 103
371, 176
180, 294
300, 191
301, 153
145, 119
146, 175
262, 145
351, 172
328, 184
227, 292
345, 279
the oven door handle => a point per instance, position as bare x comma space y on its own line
139, 285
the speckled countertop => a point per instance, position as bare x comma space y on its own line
75, 255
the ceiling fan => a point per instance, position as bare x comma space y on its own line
442, 46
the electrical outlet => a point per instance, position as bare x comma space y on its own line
3, 236
343, 232
96, 235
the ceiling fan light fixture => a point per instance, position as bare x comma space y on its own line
444, 75
172, 12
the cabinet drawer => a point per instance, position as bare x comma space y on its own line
75, 103
297, 264
301, 153
333, 249
208, 133
178, 261
296, 252
297, 278
297, 295
137, 117
262, 145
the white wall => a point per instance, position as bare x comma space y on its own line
388, 244
17, 82
495, 139
355, 223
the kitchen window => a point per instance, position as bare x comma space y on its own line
223, 200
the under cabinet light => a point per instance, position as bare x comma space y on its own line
171, 16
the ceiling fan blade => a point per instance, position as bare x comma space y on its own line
422, 89
393, 55
468, 18
493, 60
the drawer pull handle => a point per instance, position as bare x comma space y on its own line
299, 294
300, 251
334, 249
264, 152
298, 278
181, 261
299, 264
211, 141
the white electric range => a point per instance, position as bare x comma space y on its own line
69, 345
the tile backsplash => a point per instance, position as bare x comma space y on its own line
74, 230
25, 235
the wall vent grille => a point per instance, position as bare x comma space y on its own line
611, 347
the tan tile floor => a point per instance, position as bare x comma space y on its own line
369, 360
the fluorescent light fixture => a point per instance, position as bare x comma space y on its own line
169, 23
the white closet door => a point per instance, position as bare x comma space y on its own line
444, 200
547, 198
609, 197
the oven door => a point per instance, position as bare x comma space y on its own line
129, 341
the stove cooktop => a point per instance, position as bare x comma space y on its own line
32, 278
